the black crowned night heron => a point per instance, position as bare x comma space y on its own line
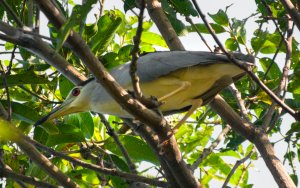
180, 80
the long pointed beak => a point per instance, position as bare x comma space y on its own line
64, 109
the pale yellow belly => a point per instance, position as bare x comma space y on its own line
200, 80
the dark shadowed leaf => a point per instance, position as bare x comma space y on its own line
129, 4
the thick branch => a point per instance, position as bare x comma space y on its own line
258, 137
41, 49
291, 9
163, 24
6, 171
9, 132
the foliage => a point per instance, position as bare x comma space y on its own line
35, 88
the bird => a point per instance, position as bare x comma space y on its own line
179, 80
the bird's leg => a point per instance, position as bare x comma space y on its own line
195, 104
183, 85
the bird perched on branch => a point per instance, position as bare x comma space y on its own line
180, 80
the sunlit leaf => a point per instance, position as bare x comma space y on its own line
220, 18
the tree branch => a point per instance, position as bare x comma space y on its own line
9, 132
258, 137
236, 165
291, 9
6, 171
207, 151
41, 49
163, 24
114, 135
96, 168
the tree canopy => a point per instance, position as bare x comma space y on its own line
218, 143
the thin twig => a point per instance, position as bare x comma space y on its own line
114, 135
209, 150
11, 60
243, 173
240, 101
37, 96
284, 78
101, 2
269, 11
236, 165
292, 112
114, 172
9, 108
188, 19
135, 53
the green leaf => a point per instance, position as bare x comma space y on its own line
109, 60
229, 153
124, 53
203, 29
9, 46
258, 41
216, 162
238, 29
274, 72
79, 14
294, 86
28, 77
86, 124
295, 128
177, 24
231, 44
220, 18
293, 103
153, 38
184, 7
131, 143
107, 27
294, 178
22, 112
67, 134
65, 86
84, 121
129, 4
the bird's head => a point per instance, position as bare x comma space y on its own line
78, 100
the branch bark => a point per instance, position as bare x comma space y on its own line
291, 9
258, 137
41, 49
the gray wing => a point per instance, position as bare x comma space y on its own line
157, 64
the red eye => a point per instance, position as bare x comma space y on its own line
75, 92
